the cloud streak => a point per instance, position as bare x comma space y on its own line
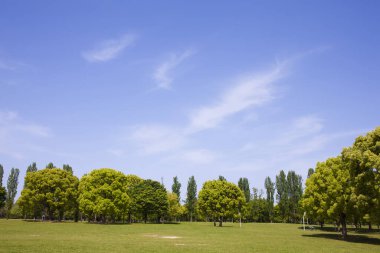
163, 74
109, 49
249, 92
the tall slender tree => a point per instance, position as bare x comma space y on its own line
1, 175
282, 194
294, 183
270, 187
244, 187
176, 188
12, 189
191, 198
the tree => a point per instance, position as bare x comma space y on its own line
363, 162
191, 199
221, 178
67, 168
31, 168
294, 187
52, 192
174, 210
11, 189
310, 172
270, 188
104, 196
3, 194
258, 207
328, 193
50, 166
1, 175
282, 194
151, 200
220, 199
176, 188
244, 187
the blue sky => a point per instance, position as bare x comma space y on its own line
203, 88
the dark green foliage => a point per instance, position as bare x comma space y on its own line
11, 189
32, 168
282, 195
176, 188
50, 166
221, 178
151, 200
191, 199
1, 175
270, 188
244, 187
3, 194
310, 172
294, 196
67, 168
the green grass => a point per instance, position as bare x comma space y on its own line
23, 236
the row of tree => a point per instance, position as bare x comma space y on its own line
106, 195
346, 188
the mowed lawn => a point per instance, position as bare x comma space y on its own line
23, 236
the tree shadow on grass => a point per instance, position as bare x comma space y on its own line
350, 238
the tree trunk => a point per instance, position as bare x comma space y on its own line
369, 226
214, 223
191, 217
220, 222
344, 225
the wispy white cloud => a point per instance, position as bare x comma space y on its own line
249, 92
163, 74
109, 49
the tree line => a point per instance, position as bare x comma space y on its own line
341, 190
106, 195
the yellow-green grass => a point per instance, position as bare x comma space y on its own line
23, 236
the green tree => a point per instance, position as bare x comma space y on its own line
244, 187
31, 168
11, 189
294, 187
103, 195
176, 188
1, 175
310, 172
328, 193
3, 194
50, 166
67, 168
258, 207
221, 178
52, 192
282, 195
151, 200
191, 197
174, 210
220, 199
270, 188
363, 162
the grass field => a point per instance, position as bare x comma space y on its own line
23, 236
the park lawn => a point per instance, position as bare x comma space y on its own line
24, 236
